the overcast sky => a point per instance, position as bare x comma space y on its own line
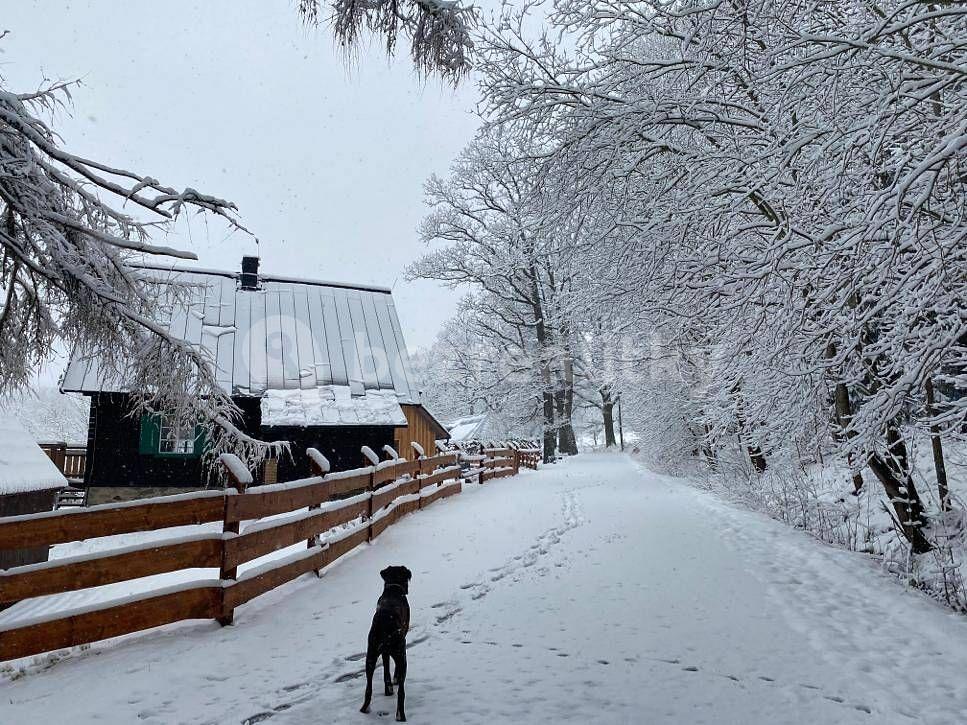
325, 161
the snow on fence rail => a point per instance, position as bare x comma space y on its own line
313, 510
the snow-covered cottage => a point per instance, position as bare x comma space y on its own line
29, 481
318, 364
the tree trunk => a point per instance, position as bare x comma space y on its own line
607, 412
757, 458
566, 442
906, 503
711, 457
937, 445
896, 447
550, 431
844, 412
755, 453
540, 328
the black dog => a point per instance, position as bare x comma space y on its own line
387, 636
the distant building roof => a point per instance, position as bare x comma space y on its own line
23, 465
287, 334
467, 428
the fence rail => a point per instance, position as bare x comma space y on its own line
320, 514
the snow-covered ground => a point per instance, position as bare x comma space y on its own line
588, 591
819, 499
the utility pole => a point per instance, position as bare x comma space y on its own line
621, 430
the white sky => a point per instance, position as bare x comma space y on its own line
237, 99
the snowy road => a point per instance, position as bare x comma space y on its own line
587, 592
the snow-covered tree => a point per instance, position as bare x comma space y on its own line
49, 415
70, 229
439, 31
780, 190
501, 241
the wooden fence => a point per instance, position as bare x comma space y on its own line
333, 514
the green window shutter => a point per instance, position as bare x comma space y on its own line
201, 440
150, 434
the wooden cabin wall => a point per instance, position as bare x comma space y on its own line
114, 460
113, 457
421, 428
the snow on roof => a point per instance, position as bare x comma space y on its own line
463, 429
23, 465
331, 405
289, 334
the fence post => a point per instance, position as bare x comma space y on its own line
319, 465
239, 478
516, 457
420, 454
58, 454
374, 461
371, 486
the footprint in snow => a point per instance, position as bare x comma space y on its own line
347, 676
257, 718
449, 615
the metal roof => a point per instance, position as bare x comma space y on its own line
287, 335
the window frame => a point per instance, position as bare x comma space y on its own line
152, 438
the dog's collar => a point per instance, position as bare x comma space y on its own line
398, 586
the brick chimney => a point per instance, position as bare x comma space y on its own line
250, 273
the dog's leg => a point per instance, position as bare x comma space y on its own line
371, 656
400, 690
387, 680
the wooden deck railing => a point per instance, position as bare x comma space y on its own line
320, 514
71, 460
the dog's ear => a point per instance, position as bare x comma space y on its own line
385, 573
409, 574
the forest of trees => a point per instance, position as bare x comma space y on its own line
746, 218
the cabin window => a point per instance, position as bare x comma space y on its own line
161, 436
174, 439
